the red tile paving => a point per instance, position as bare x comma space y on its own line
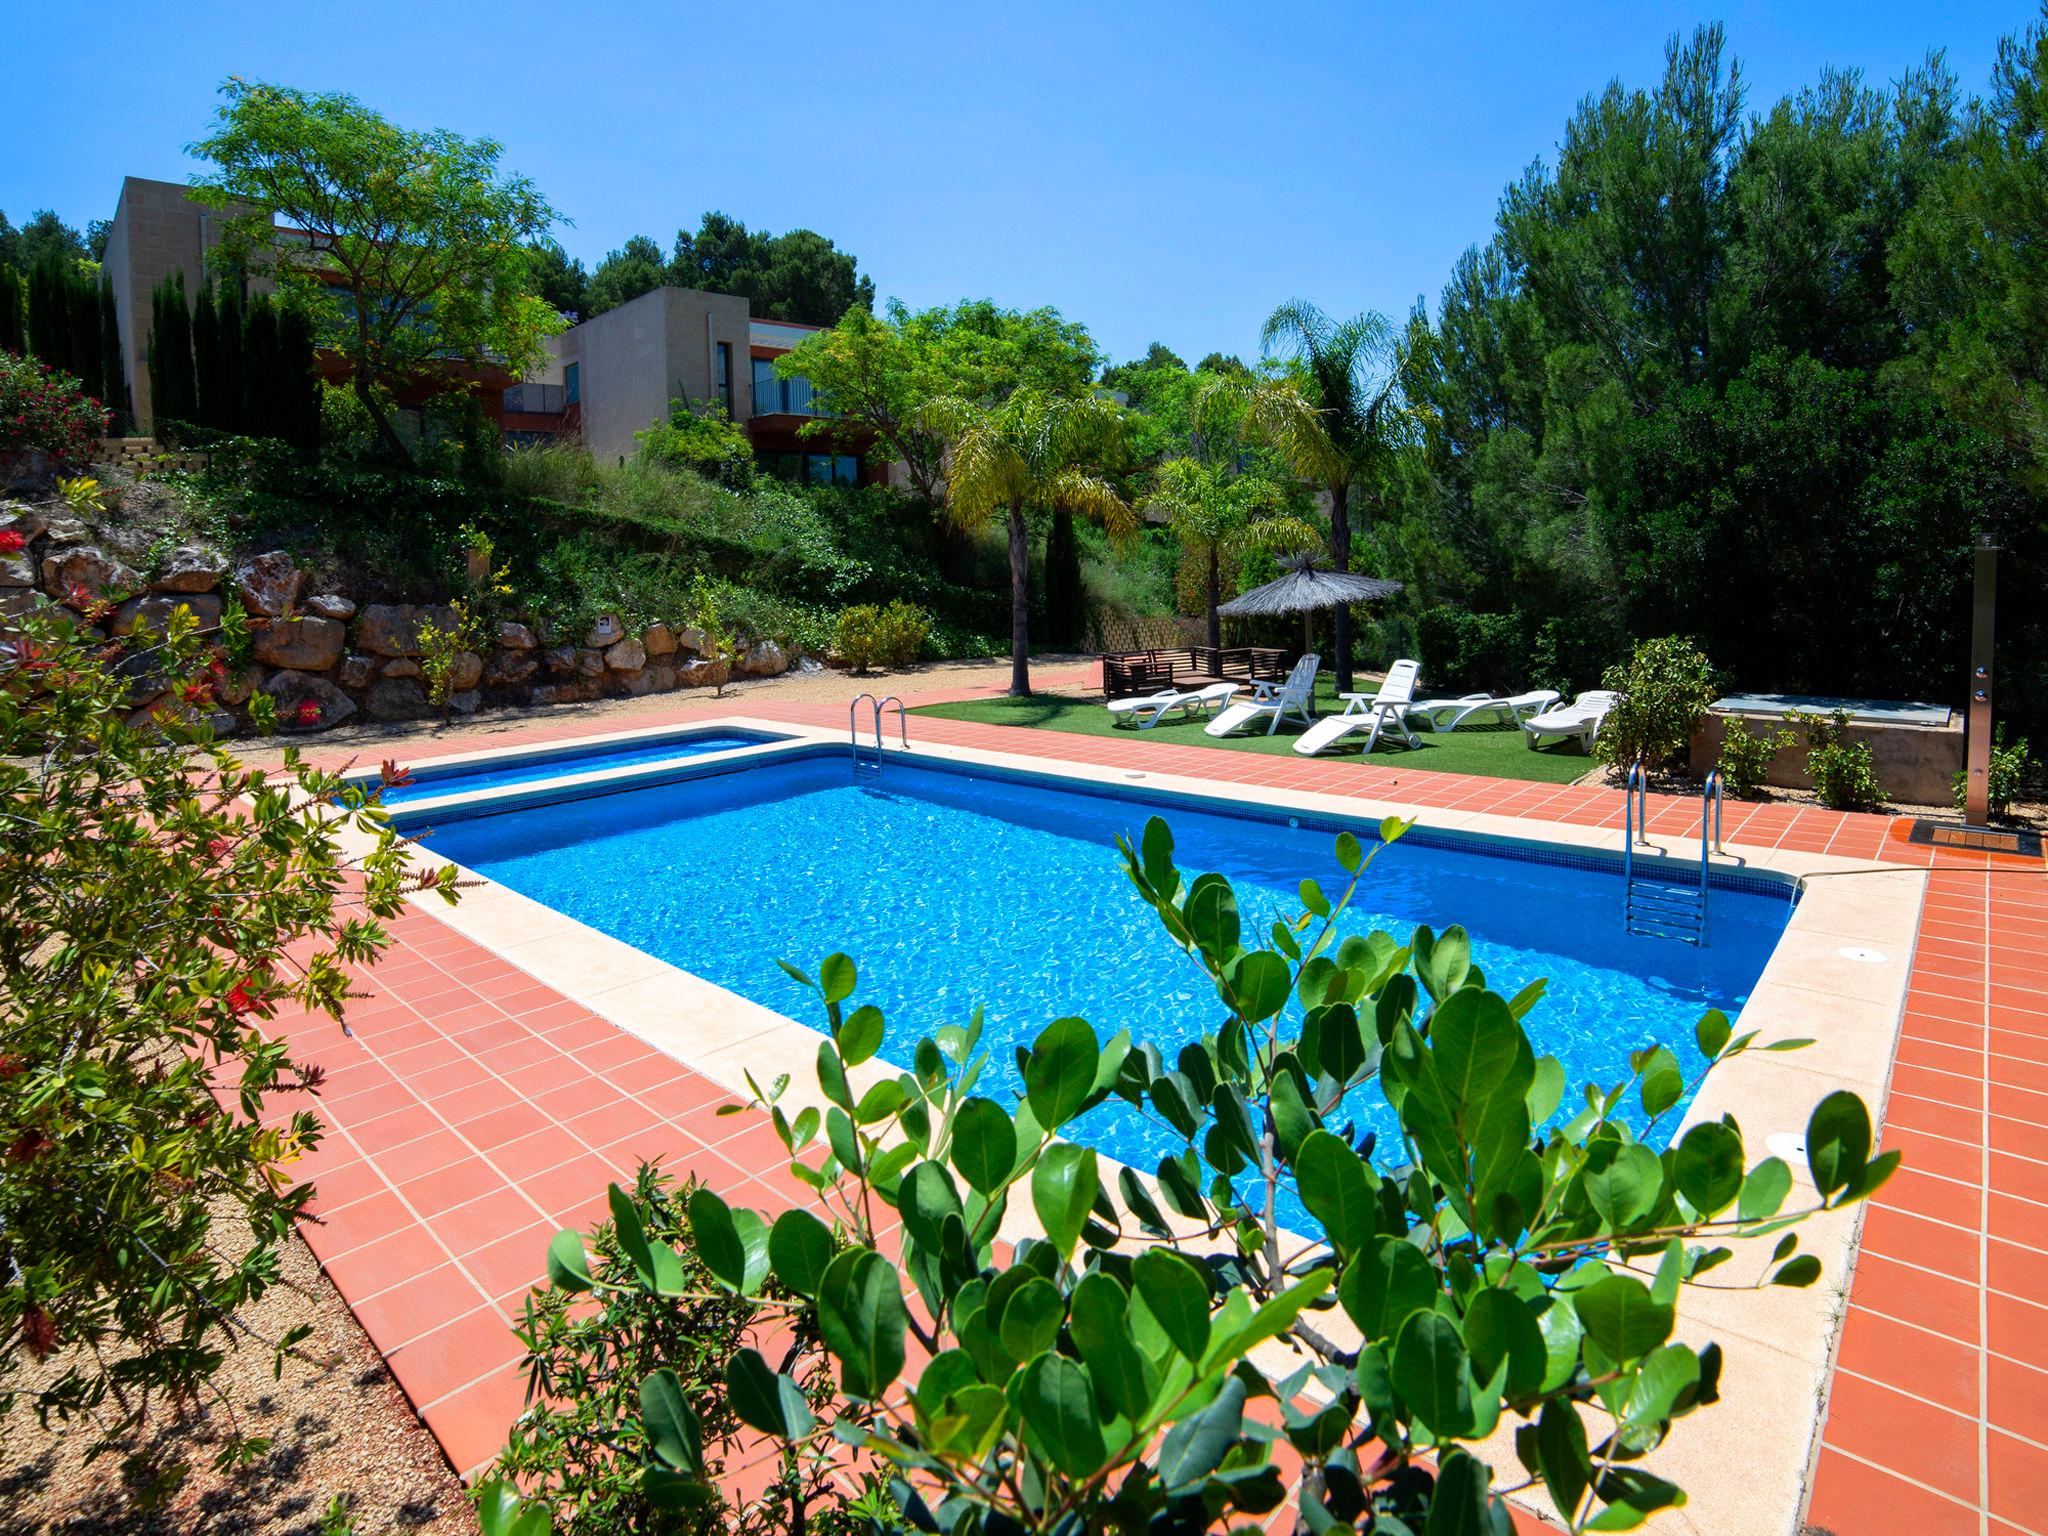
472, 1110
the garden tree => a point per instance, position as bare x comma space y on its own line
800, 276
113, 374
43, 235
208, 372
414, 254
1339, 416
635, 268
879, 374
13, 312
1972, 262
1135, 378
557, 278
161, 900
1029, 450
1066, 598
1369, 1302
1216, 514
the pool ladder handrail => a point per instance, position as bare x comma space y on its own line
1658, 910
879, 706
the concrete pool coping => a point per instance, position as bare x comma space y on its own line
1779, 1344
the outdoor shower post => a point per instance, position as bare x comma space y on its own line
1983, 613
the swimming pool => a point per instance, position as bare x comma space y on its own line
430, 780
953, 886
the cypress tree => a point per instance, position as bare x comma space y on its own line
174, 394
1063, 601
13, 311
113, 378
226, 412
83, 306
262, 378
206, 356
49, 313
299, 394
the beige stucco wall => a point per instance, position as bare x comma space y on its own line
157, 230
1915, 764
634, 359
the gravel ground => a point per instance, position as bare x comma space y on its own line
338, 1426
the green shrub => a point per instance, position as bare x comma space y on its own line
1843, 773
581, 1445
1662, 696
859, 642
1464, 650
1746, 758
700, 437
1108, 1376
48, 411
901, 631
158, 901
2007, 777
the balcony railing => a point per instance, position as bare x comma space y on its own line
537, 399
785, 397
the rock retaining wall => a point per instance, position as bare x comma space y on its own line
325, 657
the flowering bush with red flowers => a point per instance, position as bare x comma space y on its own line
42, 408
160, 901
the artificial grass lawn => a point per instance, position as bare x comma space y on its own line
1500, 754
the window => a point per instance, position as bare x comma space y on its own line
813, 468
572, 383
767, 388
723, 382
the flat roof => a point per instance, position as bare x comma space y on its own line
1863, 711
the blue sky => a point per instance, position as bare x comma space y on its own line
1159, 172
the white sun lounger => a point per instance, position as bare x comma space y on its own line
1153, 708
1272, 702
1578, 721
1372, 713
1484, 708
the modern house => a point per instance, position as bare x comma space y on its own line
613, 376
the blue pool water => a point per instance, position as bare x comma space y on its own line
529, 768
951, 888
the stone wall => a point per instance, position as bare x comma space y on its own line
325, 657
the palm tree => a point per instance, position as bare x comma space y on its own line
1216, 514
1030, 450
1338, 415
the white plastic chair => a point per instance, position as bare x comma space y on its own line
1376, 714
1274, 701
1153, 708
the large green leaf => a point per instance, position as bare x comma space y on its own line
799, 1250
926, 1199
1665, 1373
1195, 1446
1031, 1319
860, 1035
1501, 1329
1060, 1073
1433, 1373
1064, 1186
1058, 1403
862, 1319
1562, 1456
1837, 1141
1261, 983
1211, 915
1099, 1320
836, 978
1621, 1317
717, 1238
1384, 1283
568, 1265
984, 1145
1623, 1181
1177, 1294
1764, 1190
1337, 1188
765, 1398
1458, 1506
673, 1433
1708, 1166
1292, 1118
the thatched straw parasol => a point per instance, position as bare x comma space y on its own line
1307, 590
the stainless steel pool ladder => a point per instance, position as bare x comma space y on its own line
1664, 909
853, 727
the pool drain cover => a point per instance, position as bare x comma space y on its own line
1947, 834
1861, 955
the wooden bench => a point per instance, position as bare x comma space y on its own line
1132, 674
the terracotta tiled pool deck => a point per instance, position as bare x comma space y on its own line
472, 1110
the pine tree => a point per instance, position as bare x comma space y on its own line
13, 312
113, 378
225, 412
1063, 600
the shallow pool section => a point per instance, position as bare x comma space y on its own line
431, 781
952, 887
